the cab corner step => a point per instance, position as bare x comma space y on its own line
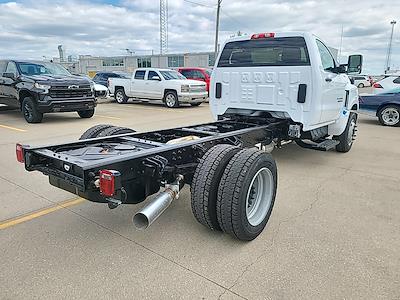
325, 145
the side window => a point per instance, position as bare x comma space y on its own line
328, 62
140, 74
11, 68
397, 80
152, 74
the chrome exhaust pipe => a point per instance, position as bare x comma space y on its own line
145, 217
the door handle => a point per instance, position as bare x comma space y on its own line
327, 79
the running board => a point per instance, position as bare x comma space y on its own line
325, 145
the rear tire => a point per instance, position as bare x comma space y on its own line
246, 194
204, 188
86, 114
115, 131
93, 132
389, 115
171, 99
346, 139
30, 111
120, 96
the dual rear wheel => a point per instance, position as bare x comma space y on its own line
234, 190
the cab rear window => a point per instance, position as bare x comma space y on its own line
289, 51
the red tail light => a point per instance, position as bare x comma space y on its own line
107, 182
19, 151
263, 35
377, 86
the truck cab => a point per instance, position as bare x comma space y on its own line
291, 76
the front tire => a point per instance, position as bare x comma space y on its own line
171, 99
346, 139
389, 115
30, 112
120, 96
86, 114
246, 194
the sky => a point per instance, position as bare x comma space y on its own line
34, 28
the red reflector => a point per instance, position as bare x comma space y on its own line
19, 151
378, 86
107, 182
262, 35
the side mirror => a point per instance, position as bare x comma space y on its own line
9, 75
354, 65
155, 78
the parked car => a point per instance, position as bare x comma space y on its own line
38, 87
386, 106
165, 85
361, 81
386, 84
100, 91
200, 74
102, 77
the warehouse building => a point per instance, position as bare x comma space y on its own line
90, 65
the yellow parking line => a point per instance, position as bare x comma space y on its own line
12, 128
108, 117
39, 213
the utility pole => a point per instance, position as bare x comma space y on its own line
389, 53
217, 28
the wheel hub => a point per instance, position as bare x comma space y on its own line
259, 196
390, 116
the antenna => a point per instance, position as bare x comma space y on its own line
163, 26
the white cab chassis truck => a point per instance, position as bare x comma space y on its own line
168, 86
267, 89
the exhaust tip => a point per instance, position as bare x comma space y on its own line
141, 221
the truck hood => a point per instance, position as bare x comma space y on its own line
188, 82
58, 79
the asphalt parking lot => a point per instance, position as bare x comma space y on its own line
334, 232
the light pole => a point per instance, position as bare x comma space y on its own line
389, 52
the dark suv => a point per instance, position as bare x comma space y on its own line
38, 87
102, 77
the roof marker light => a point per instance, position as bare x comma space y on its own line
264, 35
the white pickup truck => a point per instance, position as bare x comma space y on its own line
165, 85
291, 76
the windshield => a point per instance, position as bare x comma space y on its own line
42, 69
170, 75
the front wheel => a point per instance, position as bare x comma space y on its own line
389, 115
346, 139
120, 96
361, 85
30, 112
171, 100
86, 114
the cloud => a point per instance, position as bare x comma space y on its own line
32, 29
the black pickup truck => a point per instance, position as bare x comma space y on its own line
38, 87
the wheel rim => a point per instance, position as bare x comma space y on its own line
259, 196
390, 116
352, 132
119, 97
170, 100
28, 111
